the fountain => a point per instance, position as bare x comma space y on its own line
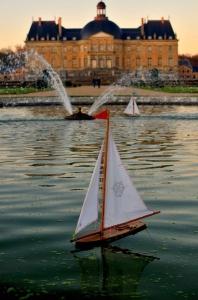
140, 78
37, 65
107, 96
55, 80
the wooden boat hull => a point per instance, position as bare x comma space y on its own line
95, 238
128, 115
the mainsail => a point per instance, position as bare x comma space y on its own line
122, 201
136, 110
89, 212
129, 108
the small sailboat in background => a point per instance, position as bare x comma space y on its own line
132, 108
122, 206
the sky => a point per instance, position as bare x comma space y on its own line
16, 17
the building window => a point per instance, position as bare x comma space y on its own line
137, 62
128, 62
108, 47
85, 48
42, 50
85, 62
64, 49
74, 62
128, 48
149, 48
53, 49
64, 62
170, 48
93, 47
117, 47
159, 62
117, 61
149, 62
101, 47
74, 49
138, 48
52, 62
170, 62
160, 48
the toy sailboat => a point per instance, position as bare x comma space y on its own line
122, 206
132, 108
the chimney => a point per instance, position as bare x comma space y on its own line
39, 22
142, 27
59, 28
162, 20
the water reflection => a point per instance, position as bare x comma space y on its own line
116, 273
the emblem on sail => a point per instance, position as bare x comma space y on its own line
118, 188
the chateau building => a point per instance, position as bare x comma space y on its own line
102, 44
187, 70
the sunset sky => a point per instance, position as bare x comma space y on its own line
16, 17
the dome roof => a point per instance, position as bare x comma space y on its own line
101, 5
96, 26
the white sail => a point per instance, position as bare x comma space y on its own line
129, 108
136, 110
122, 201
89, 211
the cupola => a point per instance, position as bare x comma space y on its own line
101, 11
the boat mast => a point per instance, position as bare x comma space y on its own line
132, 105
104, 174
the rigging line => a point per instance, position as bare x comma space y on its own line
153, 242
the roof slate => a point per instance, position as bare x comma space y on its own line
184, 62
160, 28
50, 29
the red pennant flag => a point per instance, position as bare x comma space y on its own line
102, 115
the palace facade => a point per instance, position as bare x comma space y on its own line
102, 44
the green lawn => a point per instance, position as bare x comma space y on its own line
20, 90
168, 89
174, 89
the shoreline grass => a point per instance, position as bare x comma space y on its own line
172, 89
21, 90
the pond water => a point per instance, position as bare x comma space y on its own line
45, 168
